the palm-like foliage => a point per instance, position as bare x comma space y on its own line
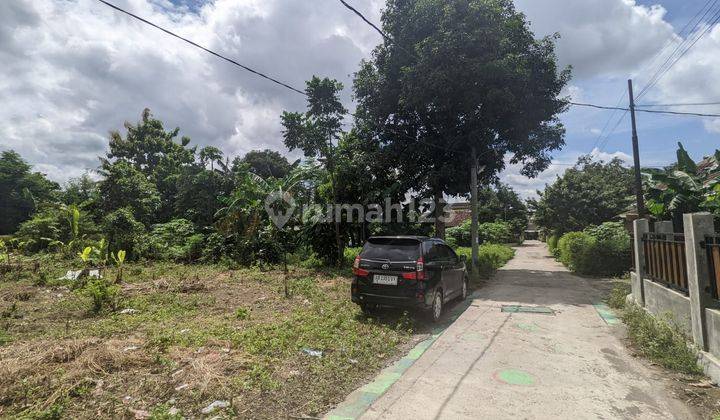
684, 187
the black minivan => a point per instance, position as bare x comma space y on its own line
408, 271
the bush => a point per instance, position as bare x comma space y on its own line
41, 230
175, 240
490, 256
349, 255
101, 293
495, 233
552, 244
458, 235
660, 339
603, 250
123, 231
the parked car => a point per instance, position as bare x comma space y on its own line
408, 271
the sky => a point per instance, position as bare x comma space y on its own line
72, 70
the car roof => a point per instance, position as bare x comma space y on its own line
415, 237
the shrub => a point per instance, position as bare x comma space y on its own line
490, 256
618, 295
349, 255
40, 231
495, 233
660, 339
101, 294
123, 231
602, 250
175, 240
458, 235
552, 244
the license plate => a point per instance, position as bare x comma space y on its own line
387, 280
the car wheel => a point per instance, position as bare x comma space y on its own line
437, 306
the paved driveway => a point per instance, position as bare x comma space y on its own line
497, 365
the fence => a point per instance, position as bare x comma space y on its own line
712, 245
665, 259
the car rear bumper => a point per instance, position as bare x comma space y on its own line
361, 298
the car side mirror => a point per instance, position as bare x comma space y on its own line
462, 258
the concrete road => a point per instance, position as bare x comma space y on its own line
495, 365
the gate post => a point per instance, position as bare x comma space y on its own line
697, 226
640, 227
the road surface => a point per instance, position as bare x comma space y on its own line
491, 364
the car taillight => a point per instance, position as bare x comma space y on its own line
357, 270
420, 268
419, 273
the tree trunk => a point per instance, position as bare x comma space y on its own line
439, 207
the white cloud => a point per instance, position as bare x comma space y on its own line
73, 70
528, 187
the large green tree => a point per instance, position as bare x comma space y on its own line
148, 150
317, 131
265, 163
590, 193
22, 191
457, 75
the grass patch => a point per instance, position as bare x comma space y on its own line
660, 340
190, 334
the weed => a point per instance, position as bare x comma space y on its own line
4, 338
165, 412
660, 339
101, 294
618, 295
242, 313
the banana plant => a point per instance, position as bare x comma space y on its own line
684, 187
119, 259
86, 255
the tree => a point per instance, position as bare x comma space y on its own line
502, 203
126, 187
152, 152
265, 163
685, 187
315, 131
22, 191
590, 193
210, 154
458, 75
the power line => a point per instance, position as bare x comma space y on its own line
602, 141
685, 104
683, 48
354, 10
244, 67
385, 36
651, 111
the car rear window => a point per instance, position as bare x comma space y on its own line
391, 249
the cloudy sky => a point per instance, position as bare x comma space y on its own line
74, 69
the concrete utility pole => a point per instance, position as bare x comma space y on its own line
474, 211
636, 155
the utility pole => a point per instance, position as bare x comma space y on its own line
474, 211
636, 155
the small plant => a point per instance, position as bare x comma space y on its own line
119, 259
660, 339
85, 255
4, 253
242, 313
101, 293
618, 295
